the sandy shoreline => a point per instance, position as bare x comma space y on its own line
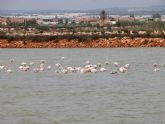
100, 43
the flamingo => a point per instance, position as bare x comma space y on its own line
23, 63
99, 64
156, 69
113, 72
31, 63
122, 69
36, 70
42, 69
2, 67
65, 71
12, 60
106, 63
56, 71
70, 69
62, 57
9, 71
155, 65
93, 70
84, 70
58, 65
49, 67
87, 62
116, 64
102, 69
42, 61
127, 66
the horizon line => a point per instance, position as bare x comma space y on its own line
117, 7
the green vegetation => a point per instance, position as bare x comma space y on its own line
83, 31
26, 24
144, 25
80, 38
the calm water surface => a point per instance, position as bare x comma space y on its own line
136, 97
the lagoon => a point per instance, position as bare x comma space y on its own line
135, 97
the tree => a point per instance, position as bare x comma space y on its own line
66, 21
157, 15
132, 15
8, 21
103, 16
60, 21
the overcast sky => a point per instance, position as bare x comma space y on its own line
73, 4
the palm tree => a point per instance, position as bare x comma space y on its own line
103, 16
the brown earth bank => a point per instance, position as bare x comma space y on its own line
100, 43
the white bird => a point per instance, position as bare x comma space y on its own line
102, 69
58, 65
155, 65
26, 68
62, 57
12, 60
42, 69
2, 67
93, 70
36, 70
156, 69
87, 62
23, 63
42, 65
88, 66
84, 70
116, 64
78, 68
106, 63
122, 69
31, 63
99, 64
21, 67
113, 72
49, 67
127, 66
94, 66
56, 71
42, 61
70, 69
9, 71
65, 71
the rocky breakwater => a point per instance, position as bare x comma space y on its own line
99, 43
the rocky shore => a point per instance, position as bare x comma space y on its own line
100, 43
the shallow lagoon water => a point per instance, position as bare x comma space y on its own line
135, 97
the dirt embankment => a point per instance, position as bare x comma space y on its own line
100, 43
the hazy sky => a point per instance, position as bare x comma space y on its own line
73, 4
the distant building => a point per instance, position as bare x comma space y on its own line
3, 21
163, 19
86, 20
18, 20
47, 21
126, 19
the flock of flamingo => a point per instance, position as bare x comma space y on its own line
88, 67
